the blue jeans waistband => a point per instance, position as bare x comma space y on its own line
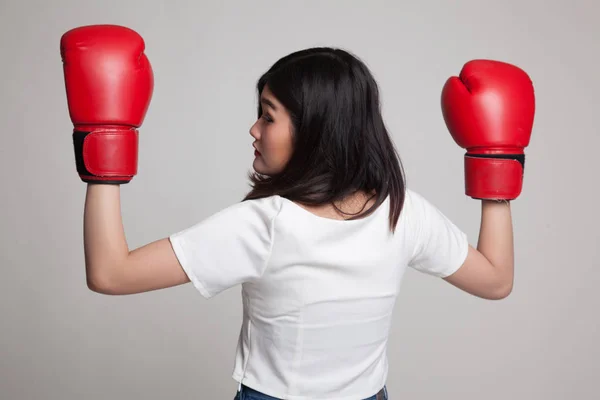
246, 393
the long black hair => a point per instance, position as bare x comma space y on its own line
340, 142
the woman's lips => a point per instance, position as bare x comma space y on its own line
256, 153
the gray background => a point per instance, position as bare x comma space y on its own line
59, 340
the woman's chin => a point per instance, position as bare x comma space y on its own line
259, 166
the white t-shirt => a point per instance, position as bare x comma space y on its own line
318, 293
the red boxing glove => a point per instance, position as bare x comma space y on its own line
489, 111
109, 84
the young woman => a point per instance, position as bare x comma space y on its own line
319, 245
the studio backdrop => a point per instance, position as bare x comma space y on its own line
60, 340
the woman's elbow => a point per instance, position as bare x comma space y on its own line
100, 284
502, 292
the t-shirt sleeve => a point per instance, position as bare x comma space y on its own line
230, 247
439, 246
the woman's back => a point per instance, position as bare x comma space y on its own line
318, 292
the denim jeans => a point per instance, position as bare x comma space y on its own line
250, 394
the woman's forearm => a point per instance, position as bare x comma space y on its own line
104, 237
496, 237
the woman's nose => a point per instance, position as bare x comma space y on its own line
254, 131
